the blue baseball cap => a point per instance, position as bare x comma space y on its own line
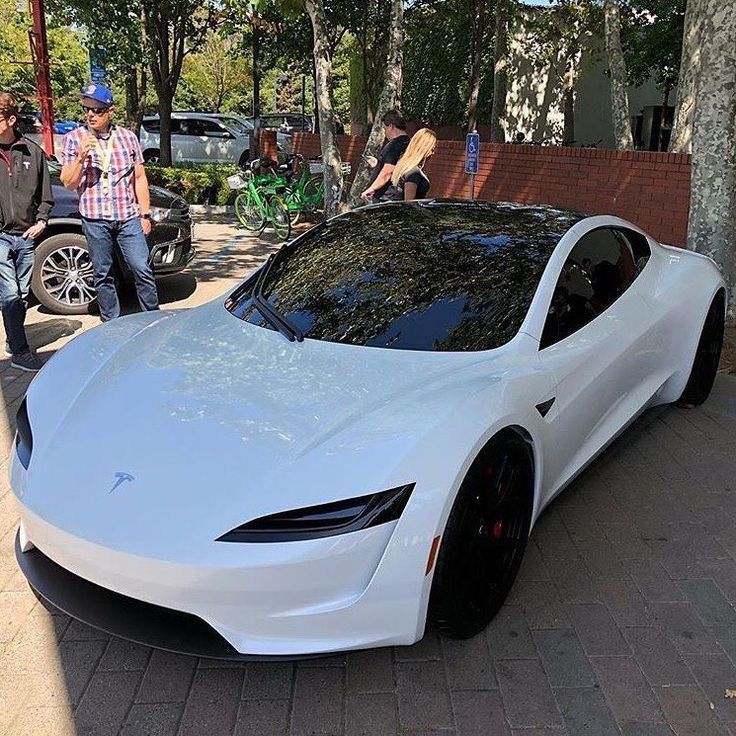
98, 92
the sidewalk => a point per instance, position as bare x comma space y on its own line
622, 620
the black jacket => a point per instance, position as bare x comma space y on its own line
25, 187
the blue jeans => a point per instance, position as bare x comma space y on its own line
16, 268
101, 236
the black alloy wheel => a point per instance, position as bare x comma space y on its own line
707, 355
485, 538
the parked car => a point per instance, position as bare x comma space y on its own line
361, 435
283, 140
198, 138
62, 275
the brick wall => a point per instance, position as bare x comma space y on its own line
650, 189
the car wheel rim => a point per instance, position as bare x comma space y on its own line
67, 276
495, 527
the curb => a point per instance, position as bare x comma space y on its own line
211, 209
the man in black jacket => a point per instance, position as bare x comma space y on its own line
25, 203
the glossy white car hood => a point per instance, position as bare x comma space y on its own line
218, 422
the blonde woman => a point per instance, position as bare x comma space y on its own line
408, 179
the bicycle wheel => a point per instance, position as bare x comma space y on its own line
249, 212
294, 205
314, 193
278, 215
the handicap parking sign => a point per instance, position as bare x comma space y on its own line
472, 152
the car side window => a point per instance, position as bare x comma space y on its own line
599, 269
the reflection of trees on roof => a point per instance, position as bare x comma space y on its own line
425, 277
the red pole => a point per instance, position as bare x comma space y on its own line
40, 50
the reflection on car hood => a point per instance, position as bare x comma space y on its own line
206, 410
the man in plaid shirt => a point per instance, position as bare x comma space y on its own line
104, 163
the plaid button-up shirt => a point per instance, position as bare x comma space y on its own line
119, 202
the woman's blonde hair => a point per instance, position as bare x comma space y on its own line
420, 146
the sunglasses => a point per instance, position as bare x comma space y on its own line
95, 110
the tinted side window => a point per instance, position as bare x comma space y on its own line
639, 246
152, 126
598, 270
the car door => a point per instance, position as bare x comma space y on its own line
216, 141
595, 343
185, 143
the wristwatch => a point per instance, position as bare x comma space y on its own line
145, 216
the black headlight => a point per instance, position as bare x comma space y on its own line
23, 436
326, 520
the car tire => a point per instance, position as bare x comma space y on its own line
485, 538
62, 274
707, 355
151, 156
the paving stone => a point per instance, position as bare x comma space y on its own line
14, 609
370, 671
723, 572
153, 719
318, 701
423, 695
469, 665
263, 718
44, 721
508, 635
79, 659
542, 606
683, 627
602, 561
626, 541
581, 524
659, 659
532, 566
715, 673
585, 711
709, 603
167, 678
625, 602
552, 538
653, 581
78, 631
627, 692
597, 630
368, 714
212, 704
479, 713
527, 695
124, 655
268, 680
106, 702
573, 580
726, 638
563, 658
646, 729
427, 648
334, 660
688, 712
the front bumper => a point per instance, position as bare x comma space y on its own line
238, 600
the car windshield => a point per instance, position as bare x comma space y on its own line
235, 125
435, 276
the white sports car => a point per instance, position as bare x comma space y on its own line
357, 438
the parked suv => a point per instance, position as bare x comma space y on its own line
62, 274
197, 138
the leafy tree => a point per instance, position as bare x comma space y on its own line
217, 78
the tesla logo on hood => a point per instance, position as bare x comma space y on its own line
121, 478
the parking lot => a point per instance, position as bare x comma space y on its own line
622, 620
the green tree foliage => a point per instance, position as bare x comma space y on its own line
69, 65
652, 38
217, 78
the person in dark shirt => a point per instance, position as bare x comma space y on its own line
25, 204
397, 141
408, 180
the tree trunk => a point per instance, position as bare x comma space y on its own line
315, 108
682, 128
392, 81
255, 143
713, 193
617, 66
568, 97
165, 103
131, 95
323, 92
500, 72
479, 26
663, 117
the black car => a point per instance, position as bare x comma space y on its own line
62, 275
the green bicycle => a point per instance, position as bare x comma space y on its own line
259, 205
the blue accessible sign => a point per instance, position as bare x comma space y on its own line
472, 152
